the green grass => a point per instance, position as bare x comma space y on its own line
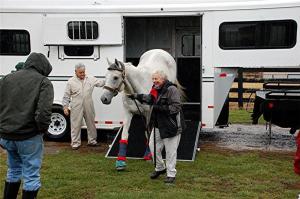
214, 174
241, 116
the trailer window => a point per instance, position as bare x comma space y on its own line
14, 42
258, 34
79, 51
83, 30
190, 45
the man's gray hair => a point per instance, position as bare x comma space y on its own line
161, 73
79, 65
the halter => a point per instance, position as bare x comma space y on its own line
116, 90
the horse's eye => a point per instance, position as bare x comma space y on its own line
116, 78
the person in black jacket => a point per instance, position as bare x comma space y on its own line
25, 114
167, 120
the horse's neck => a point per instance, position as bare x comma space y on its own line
138, 80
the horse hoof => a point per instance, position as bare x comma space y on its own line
120, 168
120, 165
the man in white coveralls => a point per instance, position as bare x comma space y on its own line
78, 97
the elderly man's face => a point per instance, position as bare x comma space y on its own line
80, 73
157, 80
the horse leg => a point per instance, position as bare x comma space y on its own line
121, 160
147, 154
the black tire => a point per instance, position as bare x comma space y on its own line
59, 128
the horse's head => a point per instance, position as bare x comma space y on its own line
114, 81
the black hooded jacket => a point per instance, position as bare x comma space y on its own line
26, 99
167, 113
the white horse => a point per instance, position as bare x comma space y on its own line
130, 79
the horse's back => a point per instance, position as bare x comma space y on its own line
158, 59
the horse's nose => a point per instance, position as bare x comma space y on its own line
105, 100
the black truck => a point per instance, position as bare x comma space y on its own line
279, 103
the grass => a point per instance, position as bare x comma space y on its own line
241, 116
214, 174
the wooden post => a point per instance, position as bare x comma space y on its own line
240, 88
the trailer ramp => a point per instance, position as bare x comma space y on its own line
137, 141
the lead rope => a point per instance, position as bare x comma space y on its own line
144, 121
148, 133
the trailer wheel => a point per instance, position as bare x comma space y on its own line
59, 128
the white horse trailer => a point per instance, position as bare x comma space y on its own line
209, 39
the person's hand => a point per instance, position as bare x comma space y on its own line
132, 96
66, 111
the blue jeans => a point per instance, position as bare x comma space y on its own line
24, 160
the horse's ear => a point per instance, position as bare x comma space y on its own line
108, 62
116, 62
122, 65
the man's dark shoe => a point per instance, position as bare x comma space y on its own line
170, 180
93, 144
155, 174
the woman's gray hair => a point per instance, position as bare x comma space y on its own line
161, 73
79, 65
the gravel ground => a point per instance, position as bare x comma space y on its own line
249, 137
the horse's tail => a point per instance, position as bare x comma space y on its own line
181, 91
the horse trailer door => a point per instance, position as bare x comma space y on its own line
181, 37
188, 54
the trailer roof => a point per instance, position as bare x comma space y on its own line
138, 5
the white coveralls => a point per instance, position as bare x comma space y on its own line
78, 96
